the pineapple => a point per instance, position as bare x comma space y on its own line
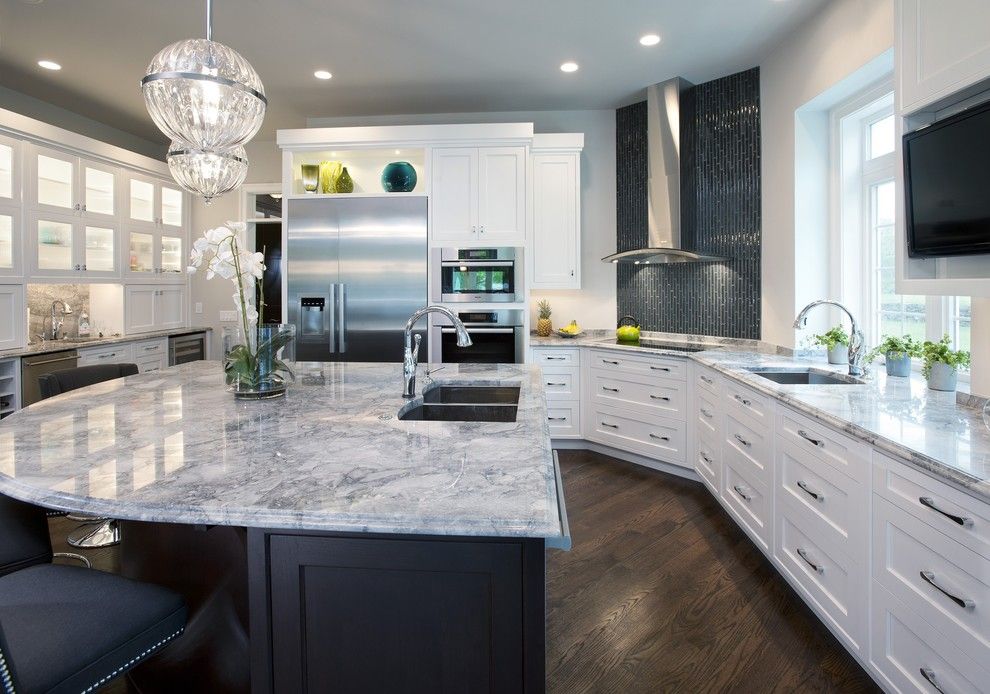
543, 326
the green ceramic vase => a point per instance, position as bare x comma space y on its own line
345, 184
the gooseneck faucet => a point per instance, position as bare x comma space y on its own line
856, 339
56, 321
410, 357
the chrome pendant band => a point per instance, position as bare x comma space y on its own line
220, 154
204, 78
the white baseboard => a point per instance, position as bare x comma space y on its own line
658, 465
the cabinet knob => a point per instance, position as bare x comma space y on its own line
84, 267
77, 266
77, 207
482, 228
572, 273
84, 207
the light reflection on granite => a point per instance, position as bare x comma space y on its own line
174, 446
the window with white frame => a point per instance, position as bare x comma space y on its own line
865, 207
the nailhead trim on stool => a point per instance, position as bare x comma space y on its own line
131, 662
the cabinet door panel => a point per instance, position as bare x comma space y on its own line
169, 310
139, 308
10, 241
171, 215
54, 180
142, 201
54, 245
454, 198
100, 250
11, 316
141, 253
556, 228
502, 194
10, 185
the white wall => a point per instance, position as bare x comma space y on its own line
842, 37
594, 305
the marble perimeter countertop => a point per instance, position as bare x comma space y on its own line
49, 346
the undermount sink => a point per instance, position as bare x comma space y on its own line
813, 377
451, 403
78, 339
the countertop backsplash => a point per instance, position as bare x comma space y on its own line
39, 303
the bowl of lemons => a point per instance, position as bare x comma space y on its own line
570, 330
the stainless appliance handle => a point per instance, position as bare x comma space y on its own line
185, 352
489, 331
477, 263
52, 361
342, 316
330, 319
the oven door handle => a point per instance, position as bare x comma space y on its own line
477, 263
488, 331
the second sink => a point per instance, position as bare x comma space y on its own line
465, 403
814, 377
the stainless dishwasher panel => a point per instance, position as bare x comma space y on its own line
183, 349
32, 368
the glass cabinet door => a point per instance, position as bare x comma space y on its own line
55, 181
142, 201
100, 186
141, 253
7, 184
6, 242
54, 245
171, 207
100, 251
172, 260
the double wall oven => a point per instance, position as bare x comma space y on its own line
477, 275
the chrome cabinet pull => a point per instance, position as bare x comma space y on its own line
658, 437
743, 400
611, 390
804, 435
660, 397
610, 426
964, 603
606, 361
817, 496
707, 380
557, 419
929, 675
804, 555
660, 368
549, 358
707, 413
740, 492
961, 520
555, 384
741, 440
707, 459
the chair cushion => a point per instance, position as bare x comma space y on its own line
60, 382
69, 629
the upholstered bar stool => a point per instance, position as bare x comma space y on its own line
95, 532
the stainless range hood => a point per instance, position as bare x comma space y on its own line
664, 242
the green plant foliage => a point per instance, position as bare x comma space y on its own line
941, 353
835, 336
895, 348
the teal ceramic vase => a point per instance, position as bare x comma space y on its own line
344, 184
398, 177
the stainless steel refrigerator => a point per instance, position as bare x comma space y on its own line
356, 271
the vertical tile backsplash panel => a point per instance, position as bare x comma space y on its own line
720, 212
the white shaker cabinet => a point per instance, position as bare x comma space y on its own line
556, 211
153, 307
11, 316
942, 48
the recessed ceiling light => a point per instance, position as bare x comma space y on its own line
649, 40
49, 65
569, 66
322, 75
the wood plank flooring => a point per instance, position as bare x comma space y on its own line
661, 592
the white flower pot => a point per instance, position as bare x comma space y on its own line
838, 355
942, 377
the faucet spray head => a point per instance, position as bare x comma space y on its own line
463, 339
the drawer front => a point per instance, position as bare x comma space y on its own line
708, 465
945, 583
148, 348
615, 362
564, 419
562, 383
912, 655
835, 506
662, 396
707, 380
116, 354
948, 510
656, 437
832, 581
556, 356
709, 417
153, 363
852, 457
748, 402
746, 497
752, 444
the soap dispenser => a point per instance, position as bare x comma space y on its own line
83, 324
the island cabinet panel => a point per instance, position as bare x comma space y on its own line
356, 614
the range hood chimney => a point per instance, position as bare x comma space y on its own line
665, 243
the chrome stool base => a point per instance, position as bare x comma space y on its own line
93, 535
73, 555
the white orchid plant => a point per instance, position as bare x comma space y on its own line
249, 363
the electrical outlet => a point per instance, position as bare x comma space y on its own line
199, 307
228, 316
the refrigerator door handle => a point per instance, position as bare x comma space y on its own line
342, 316
331, 320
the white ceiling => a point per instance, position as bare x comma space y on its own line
389, 56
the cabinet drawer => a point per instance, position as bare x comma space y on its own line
661, 396
912, 655
147, 364
707, 380
746, 497
148, 348
562, 383
948, 510
748, 402
709, 417
945, 583
707, 464
564, 419
656, 437
836, 507
616, 362
852, 457
114, 354
556, 356
830, 580
751, 442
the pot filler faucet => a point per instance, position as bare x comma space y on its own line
410, 358
856, 339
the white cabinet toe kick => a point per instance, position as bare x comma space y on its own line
893, 561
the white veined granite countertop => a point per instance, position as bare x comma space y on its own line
49, 346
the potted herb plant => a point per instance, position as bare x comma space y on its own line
942, 364
897, 353
836, 341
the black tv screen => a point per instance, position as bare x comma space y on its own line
947, 186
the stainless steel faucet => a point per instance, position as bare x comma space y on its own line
410, 357
856, 339
56, 321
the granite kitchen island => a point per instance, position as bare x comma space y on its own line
319, 539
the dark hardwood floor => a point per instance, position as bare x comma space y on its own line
661, 592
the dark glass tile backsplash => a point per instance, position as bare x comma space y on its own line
720, 211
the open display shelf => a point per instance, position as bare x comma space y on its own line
365, 168
9, 386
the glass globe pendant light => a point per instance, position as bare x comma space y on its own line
207, 173
204, 93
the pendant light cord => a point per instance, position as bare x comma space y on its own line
209, 20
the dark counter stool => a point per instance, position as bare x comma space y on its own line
66, 628
95, 532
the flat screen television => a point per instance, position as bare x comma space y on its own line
947, 186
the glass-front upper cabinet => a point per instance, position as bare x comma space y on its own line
153, 255
99, 190
10, 240
10, 184
172, 207
63, 245
61, 182
155, 203
173, 259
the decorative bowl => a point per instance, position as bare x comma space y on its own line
563, 334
